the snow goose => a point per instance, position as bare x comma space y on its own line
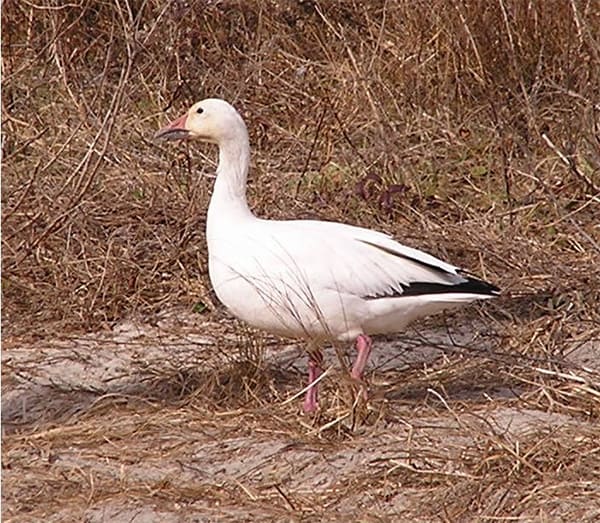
309, 279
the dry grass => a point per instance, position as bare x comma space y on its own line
470, 129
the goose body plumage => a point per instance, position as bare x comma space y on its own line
326, 280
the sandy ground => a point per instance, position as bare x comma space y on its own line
114, 426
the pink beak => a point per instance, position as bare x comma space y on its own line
174, 131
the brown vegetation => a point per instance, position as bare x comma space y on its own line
469, 129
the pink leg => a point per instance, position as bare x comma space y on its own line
363, 346
311, 399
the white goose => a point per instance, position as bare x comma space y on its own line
310, 279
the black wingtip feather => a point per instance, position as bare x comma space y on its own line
470, 286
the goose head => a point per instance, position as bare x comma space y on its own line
211, 120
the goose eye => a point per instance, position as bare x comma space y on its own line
199, 110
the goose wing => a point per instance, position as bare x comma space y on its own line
366, 263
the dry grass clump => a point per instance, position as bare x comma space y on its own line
469, 129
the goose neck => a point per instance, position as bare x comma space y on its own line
229, 194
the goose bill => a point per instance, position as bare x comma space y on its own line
174, 131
